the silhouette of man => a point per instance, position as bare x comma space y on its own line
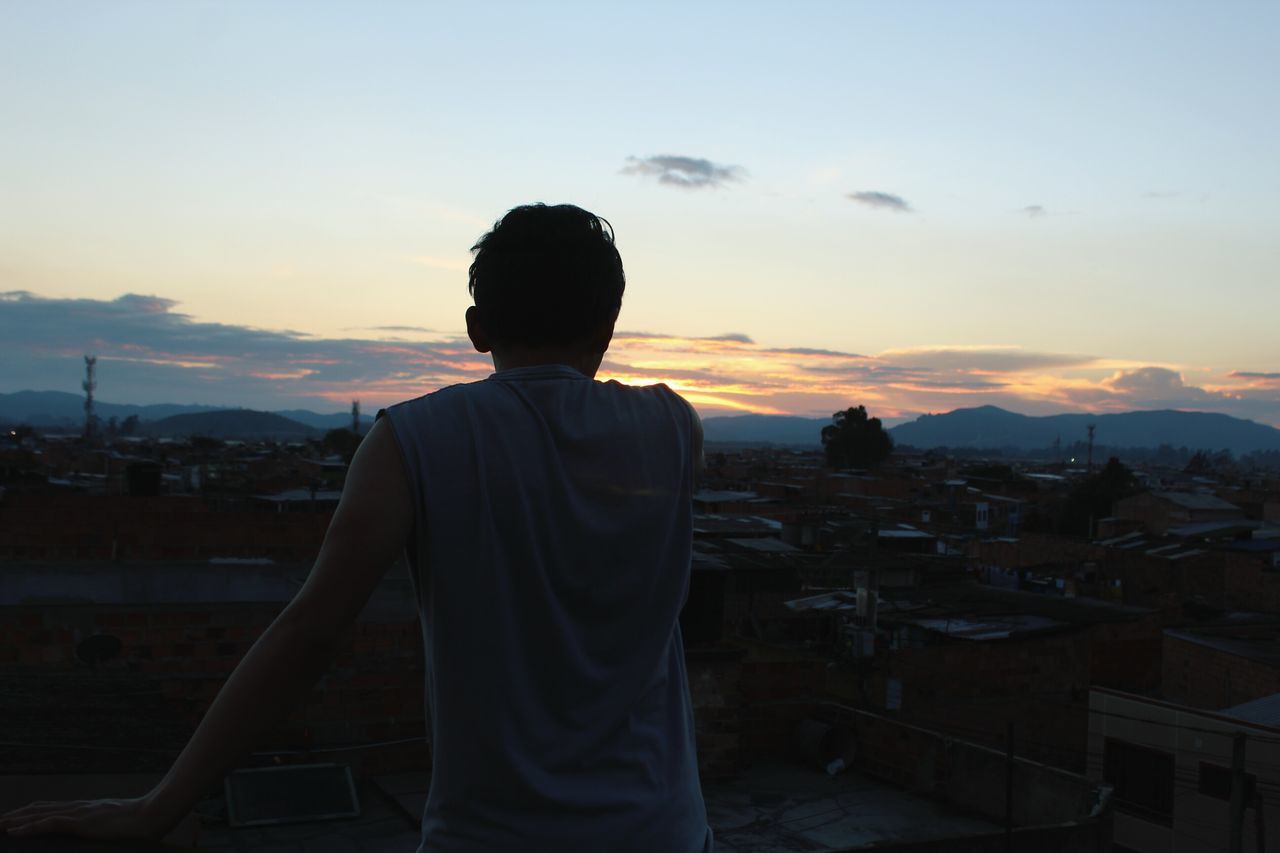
547, 523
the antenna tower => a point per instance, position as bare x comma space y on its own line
355, 416
1092, 427
89, 384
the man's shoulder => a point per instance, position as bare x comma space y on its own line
445, 393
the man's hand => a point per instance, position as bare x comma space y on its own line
132, 818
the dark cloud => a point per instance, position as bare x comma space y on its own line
866, 370
811, 351
693, 376
1033, 211
881, 200
148, 352
151, 352
685, 172
728, 337
398, 329
985, 359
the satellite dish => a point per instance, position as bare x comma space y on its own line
97, 648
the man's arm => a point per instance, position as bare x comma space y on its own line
367, 533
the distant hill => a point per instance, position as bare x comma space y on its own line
241, 424
985, 427
991, 427
60, 409
780, 430
325, 422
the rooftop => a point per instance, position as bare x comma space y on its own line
1262, 649
1265, 711
1196, 500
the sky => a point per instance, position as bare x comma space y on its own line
912, 206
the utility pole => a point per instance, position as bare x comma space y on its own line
1092, 427
355, 416
89, 384
1008, 788
1237, 794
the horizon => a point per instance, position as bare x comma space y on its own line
889, 423
1049, 210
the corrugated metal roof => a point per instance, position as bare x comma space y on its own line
1209, 528
1195, 500
772, 546
721, 496
840, 599
989, 629
1265, 711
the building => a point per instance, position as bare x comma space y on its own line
1159, 511
1175, 771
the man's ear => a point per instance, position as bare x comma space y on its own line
602, 339
479, 338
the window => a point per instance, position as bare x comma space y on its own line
1215, 781
1143, 779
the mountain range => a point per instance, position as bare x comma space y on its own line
984, 427
60, 409
990, 427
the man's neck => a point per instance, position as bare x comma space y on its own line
512, 357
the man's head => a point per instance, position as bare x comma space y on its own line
545, 279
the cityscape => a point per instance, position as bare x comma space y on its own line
939, 631
973, 307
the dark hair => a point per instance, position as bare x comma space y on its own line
546, 276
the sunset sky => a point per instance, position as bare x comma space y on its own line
915, 206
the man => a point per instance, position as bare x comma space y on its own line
547, 522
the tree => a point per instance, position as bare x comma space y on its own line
853, 440
341, 441
1093, 498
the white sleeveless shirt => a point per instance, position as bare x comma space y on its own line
551, 555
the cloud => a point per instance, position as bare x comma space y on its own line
1155, 382
422, 329
811, 351
149, 351
1153, 387
994, 359
684, 172
1033, 211
728, 337
881, 200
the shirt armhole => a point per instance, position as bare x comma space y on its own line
415, 487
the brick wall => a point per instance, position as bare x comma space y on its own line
973, 689
173, 661
138, 709
715, 683
95, 527
1205, 677
773, 687
1052, 807
1032, 549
